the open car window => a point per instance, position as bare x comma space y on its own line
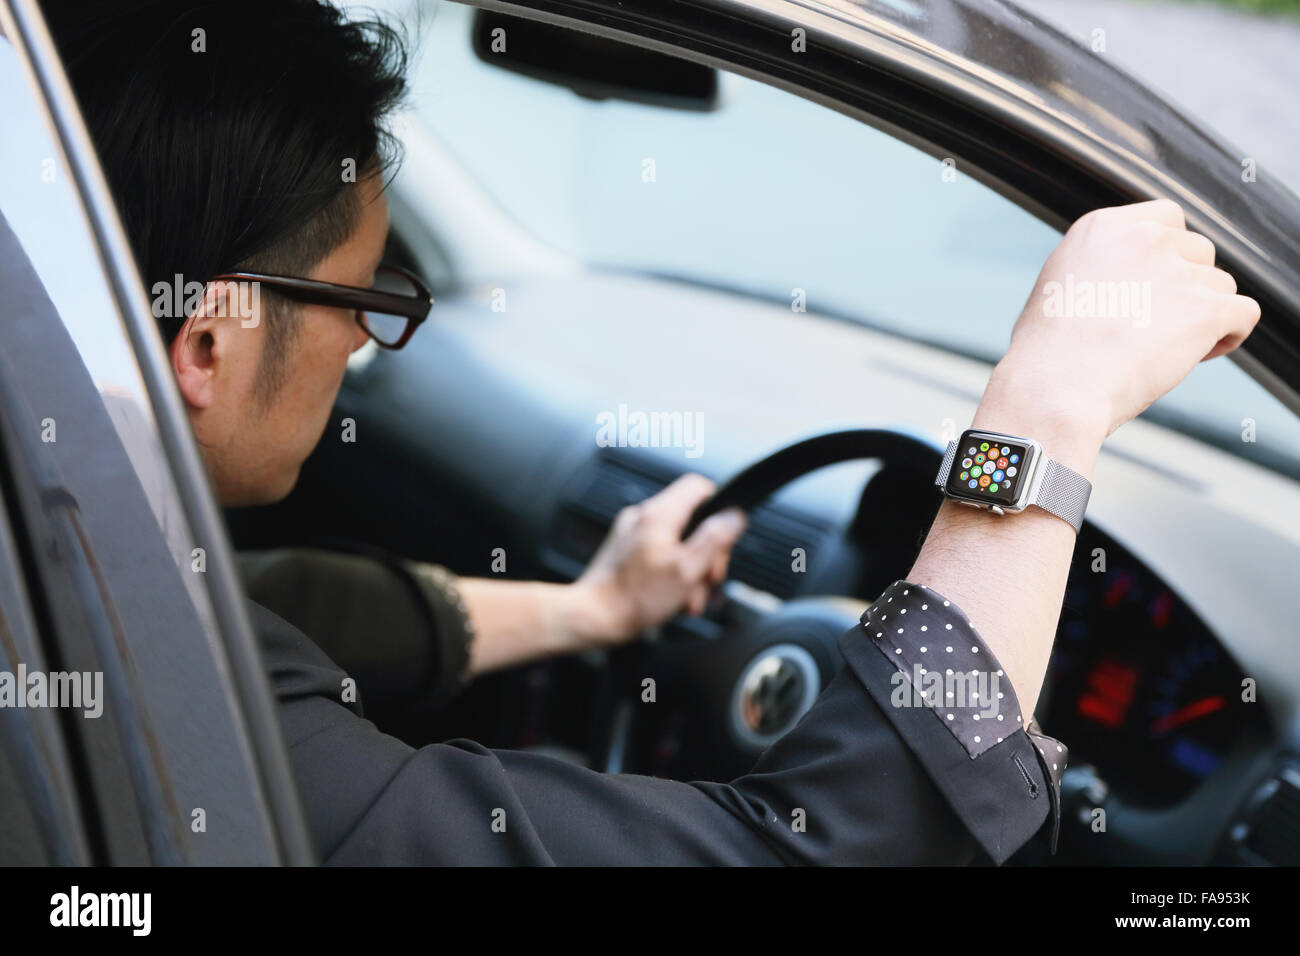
783, 199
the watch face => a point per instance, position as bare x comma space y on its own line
990, 468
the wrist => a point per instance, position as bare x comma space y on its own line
1064, 423
589, 615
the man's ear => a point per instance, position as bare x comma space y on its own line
199, 347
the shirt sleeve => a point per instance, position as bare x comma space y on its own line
855, 782
398, 627
944, 675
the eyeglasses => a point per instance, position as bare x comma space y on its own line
390, 310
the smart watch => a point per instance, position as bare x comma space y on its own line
1003, 473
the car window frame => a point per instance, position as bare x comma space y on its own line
23, 26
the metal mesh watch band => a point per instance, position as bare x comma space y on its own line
1059, 490
1063, 492
948, 457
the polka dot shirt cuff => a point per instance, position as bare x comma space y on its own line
943, 665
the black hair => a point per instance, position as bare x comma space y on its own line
224, 128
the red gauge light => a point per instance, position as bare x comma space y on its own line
1183, 715
1109, 694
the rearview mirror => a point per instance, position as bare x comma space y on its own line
592, 66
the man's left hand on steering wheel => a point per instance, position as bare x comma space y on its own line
644, 572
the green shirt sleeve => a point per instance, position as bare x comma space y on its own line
398, 627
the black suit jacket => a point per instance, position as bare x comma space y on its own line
877, 784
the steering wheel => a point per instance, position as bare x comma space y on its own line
708, 695
762, 479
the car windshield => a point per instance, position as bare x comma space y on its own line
771, 195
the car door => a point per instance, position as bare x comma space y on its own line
140, 727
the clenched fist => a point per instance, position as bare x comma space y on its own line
1126, 306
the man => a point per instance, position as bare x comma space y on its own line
228, 161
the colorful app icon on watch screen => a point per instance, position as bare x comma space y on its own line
989, 471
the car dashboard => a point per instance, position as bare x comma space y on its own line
1138, 685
